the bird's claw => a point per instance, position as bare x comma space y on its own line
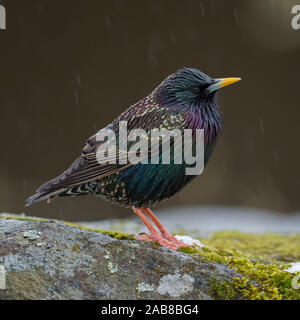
171, 243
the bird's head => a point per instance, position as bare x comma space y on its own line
190, 86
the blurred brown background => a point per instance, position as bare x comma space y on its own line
69, 68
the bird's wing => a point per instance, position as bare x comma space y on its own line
90, 166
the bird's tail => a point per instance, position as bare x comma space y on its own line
36, 198
47, 191
55, 187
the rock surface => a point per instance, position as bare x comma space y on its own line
51, 260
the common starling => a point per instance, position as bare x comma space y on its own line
184, 100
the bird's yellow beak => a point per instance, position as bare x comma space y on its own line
222, 82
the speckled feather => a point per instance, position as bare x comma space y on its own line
178, 102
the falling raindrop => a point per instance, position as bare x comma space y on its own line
107, 22
261, 123
76, 83
202, 8
25, 187
151, 56
235, 15
76, 96
76, 79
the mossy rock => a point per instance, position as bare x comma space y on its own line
47, 259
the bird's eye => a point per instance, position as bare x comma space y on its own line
196, 89
204, 86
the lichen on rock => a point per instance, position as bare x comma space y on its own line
176, 284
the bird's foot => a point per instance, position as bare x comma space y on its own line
170, 242
164, 238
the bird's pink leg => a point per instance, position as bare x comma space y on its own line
155, 236
164, 232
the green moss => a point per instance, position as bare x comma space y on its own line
260, 259
188, 250
23, 218
111, 233
222, 290
260, 279
275, 247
